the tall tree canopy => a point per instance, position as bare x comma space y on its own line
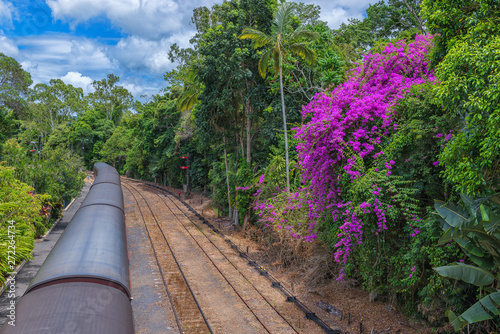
14, 83
467, 59
110, 98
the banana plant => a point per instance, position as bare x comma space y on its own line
475, 227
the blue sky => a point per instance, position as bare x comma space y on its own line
80, 41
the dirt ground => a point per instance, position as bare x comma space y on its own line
337, 303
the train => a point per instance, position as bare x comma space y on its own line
84, 284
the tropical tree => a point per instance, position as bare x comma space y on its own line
282, 40
467, 59
475, 227
54, 104
14, 85
110, 98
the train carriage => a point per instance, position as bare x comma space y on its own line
84, 284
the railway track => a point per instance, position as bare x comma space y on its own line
187, 312
270, 314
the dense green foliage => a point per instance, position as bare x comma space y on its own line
467, 59
20, 220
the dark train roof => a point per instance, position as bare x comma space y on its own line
107, 177
92, 246
102, 167
73, 308
104, 194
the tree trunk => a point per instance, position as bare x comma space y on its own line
249, 140
235, 216
227, 178
286, 134
242, 144
246, 219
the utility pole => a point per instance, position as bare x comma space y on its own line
187, 172
39, 146
83, 151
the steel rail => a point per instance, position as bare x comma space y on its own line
175, 259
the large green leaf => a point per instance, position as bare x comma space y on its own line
455, 321
470, 204
488, 242
467, 273
453, 214
446, 237
491, 219
484, 262
485, 212
468, 245
483, 309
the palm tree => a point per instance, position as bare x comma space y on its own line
279, 42
190, 92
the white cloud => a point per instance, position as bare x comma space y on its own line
136, 53
54, 56
150, 19
337, 16
76, 79
6, 11
89, 55
139, 86
133, 89
336, 12
7, 46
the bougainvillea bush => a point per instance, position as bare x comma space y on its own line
368, 155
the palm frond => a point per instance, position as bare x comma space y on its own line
285, 11
188, 101
259, 38
189, 96
192, 75
303, 32
263, 62
303, 51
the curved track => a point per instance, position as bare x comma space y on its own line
256, 303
